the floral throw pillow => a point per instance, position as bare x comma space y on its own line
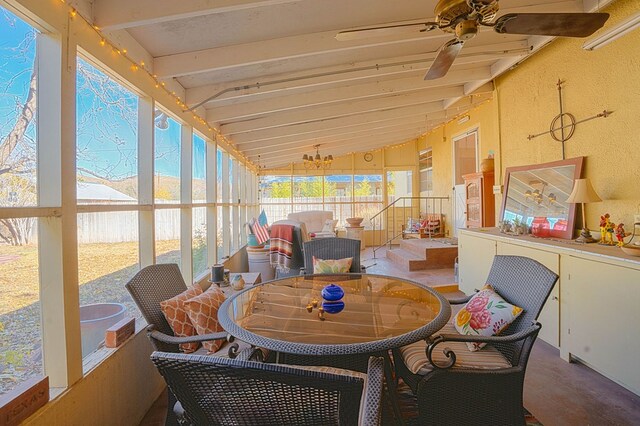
176, 315
330, 266
486, 314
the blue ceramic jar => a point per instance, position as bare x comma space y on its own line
333, 307
332, 292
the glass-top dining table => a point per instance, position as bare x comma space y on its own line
290, 316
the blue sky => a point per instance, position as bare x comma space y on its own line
106, 112
16, 65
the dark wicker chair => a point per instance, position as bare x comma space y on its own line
332, 248
150, 286
214, 390
449, 393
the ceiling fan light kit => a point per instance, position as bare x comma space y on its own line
462, 18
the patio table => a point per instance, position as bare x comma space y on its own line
380, 313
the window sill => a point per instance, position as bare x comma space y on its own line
94, 359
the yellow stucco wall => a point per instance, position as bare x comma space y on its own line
526, 100
483, 118
608, 78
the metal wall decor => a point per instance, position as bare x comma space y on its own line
565, 123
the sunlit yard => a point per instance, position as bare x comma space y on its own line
104, 269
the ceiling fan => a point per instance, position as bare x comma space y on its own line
463, 17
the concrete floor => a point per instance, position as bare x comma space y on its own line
556, 392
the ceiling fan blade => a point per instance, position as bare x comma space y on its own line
444, 60
385, 30
551, 24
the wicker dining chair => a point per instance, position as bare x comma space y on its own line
332, 248
214, 390
152, 285
457, 387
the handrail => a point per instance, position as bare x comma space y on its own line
379, 217
406, 198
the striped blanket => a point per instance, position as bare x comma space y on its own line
281, 246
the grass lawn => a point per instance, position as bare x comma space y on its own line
104, 269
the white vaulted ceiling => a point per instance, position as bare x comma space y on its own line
272, 77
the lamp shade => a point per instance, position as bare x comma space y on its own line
583, 192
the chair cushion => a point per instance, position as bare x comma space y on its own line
176, 315
332, 266
415, 356
485, 314
203, 313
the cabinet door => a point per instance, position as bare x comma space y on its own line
473, 189
475, 256
601, 316
550, 315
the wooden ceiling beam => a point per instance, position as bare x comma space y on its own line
309, 140
347, 109
340, 94
344, 75
275, 50
343, 123
119, 14
274, 151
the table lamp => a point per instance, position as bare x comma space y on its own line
582, 193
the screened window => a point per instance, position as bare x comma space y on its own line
167, 161
199, 170
107, 140
426, 170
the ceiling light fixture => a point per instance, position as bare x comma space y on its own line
311, 161
614, 33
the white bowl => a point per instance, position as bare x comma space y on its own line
631, 250
354, 221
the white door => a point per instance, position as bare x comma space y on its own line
465, 161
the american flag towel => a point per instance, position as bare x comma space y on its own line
281, 248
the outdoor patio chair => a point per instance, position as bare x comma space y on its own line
150, 286
456, 386
213, 390
332, 248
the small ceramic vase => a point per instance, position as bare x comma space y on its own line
237, 283
332, 292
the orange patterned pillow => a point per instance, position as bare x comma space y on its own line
176, 315
203, 312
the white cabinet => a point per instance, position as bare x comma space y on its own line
600, 324
592, 313
475, 256
550, 315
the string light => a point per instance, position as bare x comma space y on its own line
215, 133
